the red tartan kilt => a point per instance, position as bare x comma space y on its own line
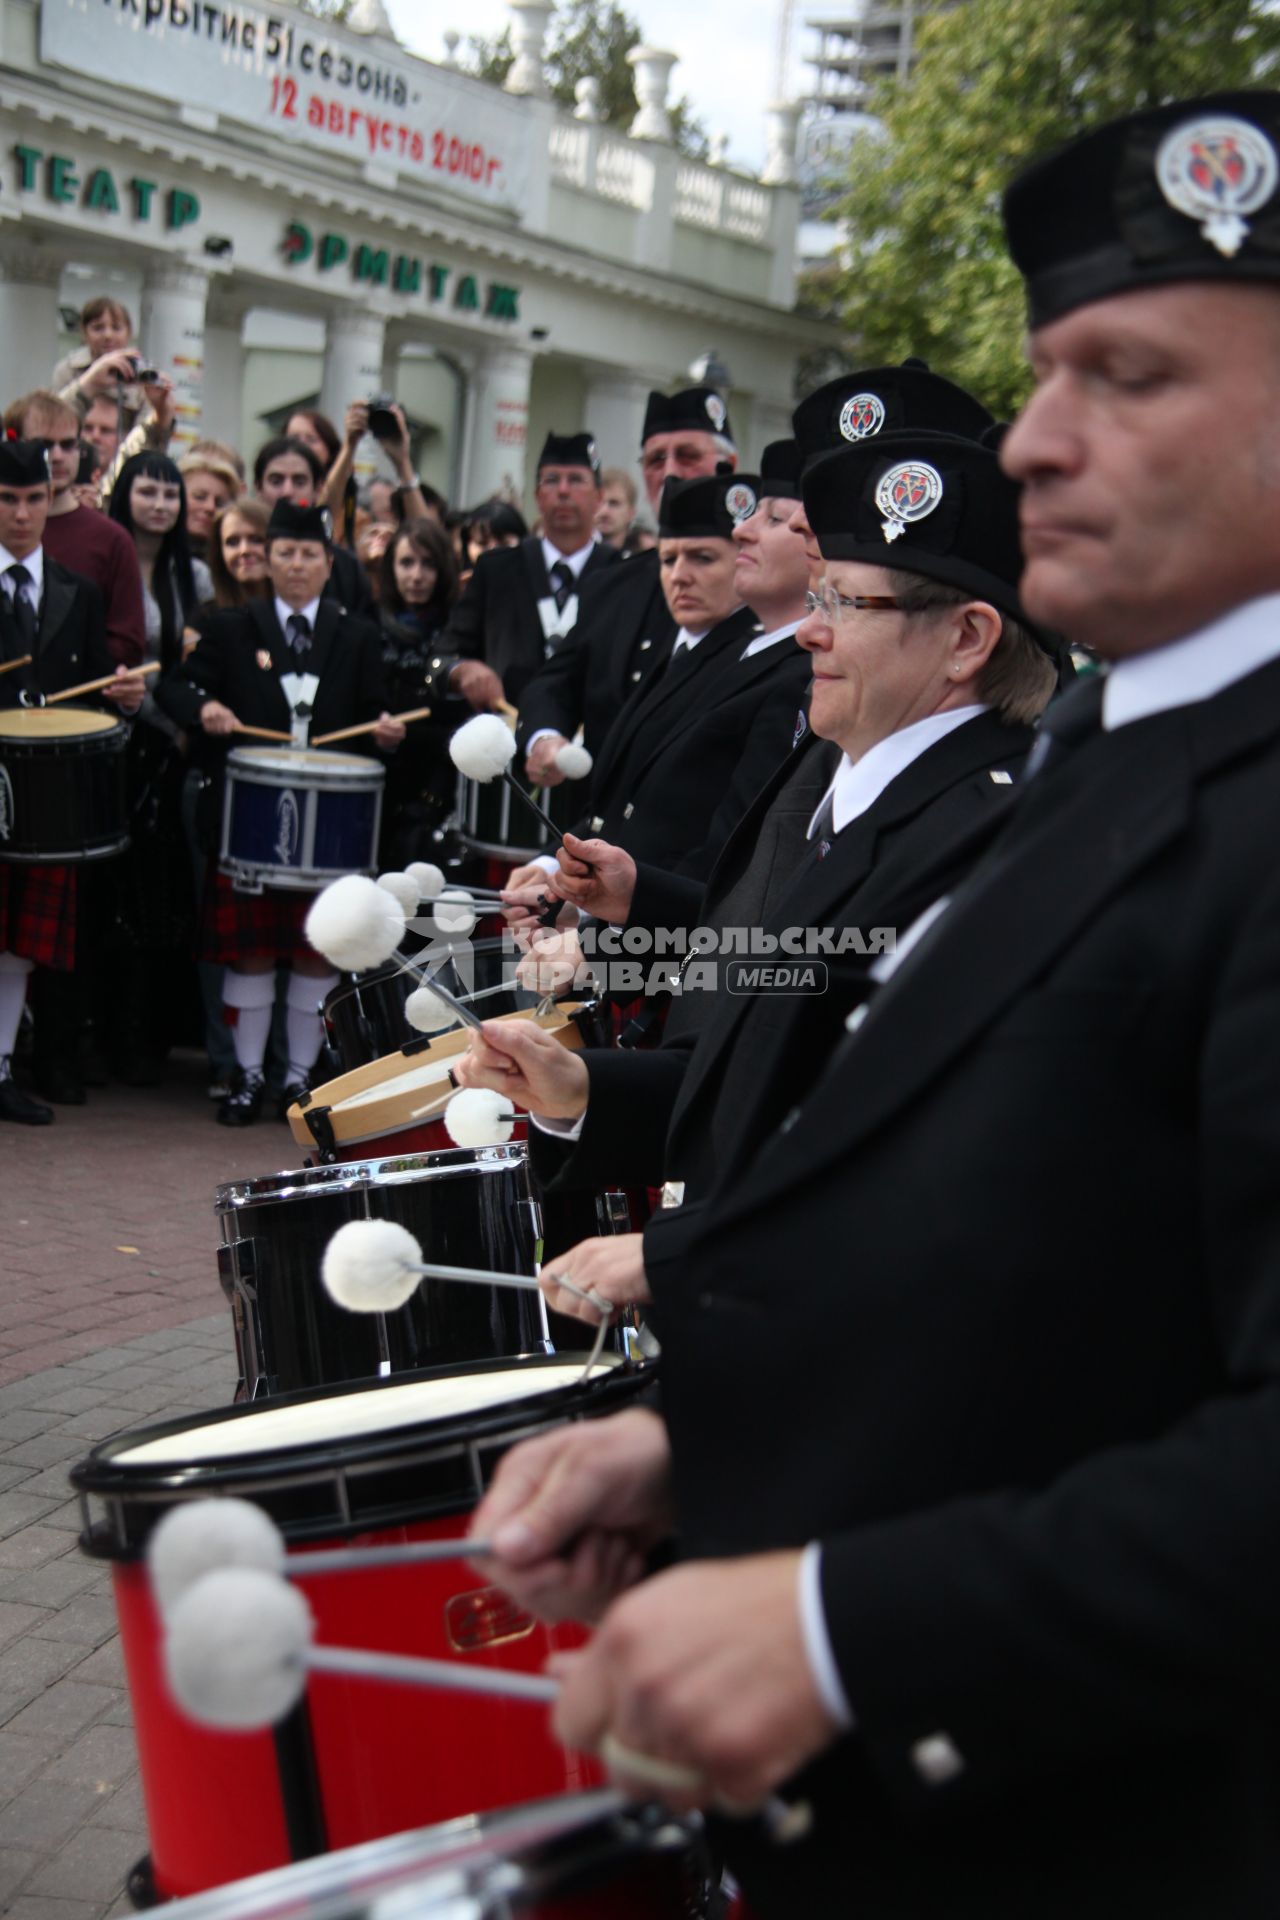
236, 926
38, 914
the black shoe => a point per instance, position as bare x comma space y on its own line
288, 1095
241, 1108
61, 1084
19, 1107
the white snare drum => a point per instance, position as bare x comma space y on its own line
298, 817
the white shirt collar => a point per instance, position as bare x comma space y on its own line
1194, 668
858, 784
310, 614
574, 561
685, 641
34, 564
763, 640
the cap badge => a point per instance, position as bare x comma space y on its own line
1217, 170
716, 412
740, 502
908, 492
861, 416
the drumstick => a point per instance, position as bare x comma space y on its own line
368, 726
264, 733
505, 708
23, 660
96, 686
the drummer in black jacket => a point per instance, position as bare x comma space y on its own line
54, 621
295, 663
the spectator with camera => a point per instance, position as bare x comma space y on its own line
383, 420
288, 469
105, 362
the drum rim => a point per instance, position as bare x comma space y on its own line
112, 729
348, 1176
314, 779
101, 1471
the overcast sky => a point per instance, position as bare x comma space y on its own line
727, 49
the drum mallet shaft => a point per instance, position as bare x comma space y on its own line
23, 660
96, 686
368, 726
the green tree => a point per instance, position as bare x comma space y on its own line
589, 39
996, 83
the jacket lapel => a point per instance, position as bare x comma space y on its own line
687, 686
322, 640
269, 638
59, 598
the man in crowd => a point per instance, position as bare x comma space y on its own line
521, 601
617, 508
971, 1447
52, 620
289, 470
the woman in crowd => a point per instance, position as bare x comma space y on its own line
316, 431
494, 524
238, 553
211, 484
417, 585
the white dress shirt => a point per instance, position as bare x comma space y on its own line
575, 562
763, 640
310, 613
858, 784
34, 564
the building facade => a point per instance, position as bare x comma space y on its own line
298, 214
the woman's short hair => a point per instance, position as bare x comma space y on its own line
1018, 677
101, 304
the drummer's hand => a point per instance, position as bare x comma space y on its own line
529, 1065
572, 1513
215, 718
389, 732
553, 962
611, 1266
523, 907
540, 767
479, 685
127, 691
595, 875
704, 1666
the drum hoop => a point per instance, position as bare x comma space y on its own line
106, 732
355, 1176
341, 1462
368, 776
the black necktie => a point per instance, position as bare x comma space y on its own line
1066, 723
298, 629
24, 614
561, 578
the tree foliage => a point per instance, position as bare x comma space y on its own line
589, 39
997, 83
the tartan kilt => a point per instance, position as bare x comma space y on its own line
236, 926
38, 914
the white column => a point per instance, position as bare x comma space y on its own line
614, 412
224, 371
353, 353
28, 317
174, 295
782, 117
499, 425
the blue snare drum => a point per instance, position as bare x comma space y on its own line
299, 817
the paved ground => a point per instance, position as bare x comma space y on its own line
111, 1316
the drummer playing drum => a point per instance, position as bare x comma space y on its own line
54, 621
288, 663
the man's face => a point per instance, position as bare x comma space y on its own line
697, 580
685, 455
107, 334
567, 500
874, 672
60, 434
1149, 459
287, 477
813, 559
23, 512
771, 570
102, 430
298, 569
614, 514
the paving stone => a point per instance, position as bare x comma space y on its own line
125, 1809
102, 1758
85, 1621
22, 1423
47, 1813
93, 1865
69, 1519
15, 1867
53, 1484
40, 1450
62, 1710
34, 1662
20, 1509
104, 1667
33, 1906
52, 1585
33, 1547
21, 1760
16, 1620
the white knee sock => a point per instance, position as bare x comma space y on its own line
252, 995
303, 999
13, 995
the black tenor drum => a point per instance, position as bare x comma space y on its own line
62, 785
466, 1208
364, 1015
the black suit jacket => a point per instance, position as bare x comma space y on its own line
496, 619
71, 639
732, 1063
996, 1319
227, 665
624, 634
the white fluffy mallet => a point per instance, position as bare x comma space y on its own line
207, 1536
427, 879
479, 1117
235, 1649
454, 911
484, 748
371, 1266
402, 887
574, 762
426, 1012
355, 923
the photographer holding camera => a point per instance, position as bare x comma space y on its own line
382, 418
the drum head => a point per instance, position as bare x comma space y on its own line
291, 762
53, 723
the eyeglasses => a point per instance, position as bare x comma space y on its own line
63, 446
836, 606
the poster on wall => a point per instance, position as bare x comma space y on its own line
306, 82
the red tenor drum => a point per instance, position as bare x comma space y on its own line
356, 1760
582, 1856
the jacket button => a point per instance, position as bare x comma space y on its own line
789, 1120
937, 1759
628, 810
635, 676
645, 645
855, 1019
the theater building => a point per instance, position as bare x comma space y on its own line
298, 214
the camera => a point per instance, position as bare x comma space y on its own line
143, 376
382, 422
